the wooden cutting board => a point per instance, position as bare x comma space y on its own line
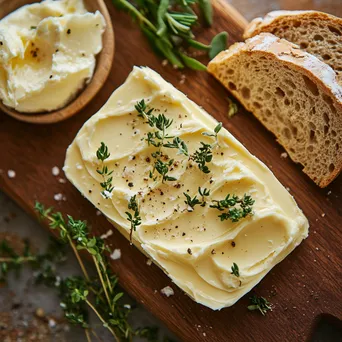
302, 288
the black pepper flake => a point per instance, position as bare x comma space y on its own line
83, 54
50, 76
161, 193
176, 226
69, 31
56, 50
130, 184
190, 251
211, 181
213, 252
183, 234
222, 253
177, 186
148, 159
90, 191
1, 43
233, 244
222, 153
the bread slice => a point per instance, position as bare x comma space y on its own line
315, 32
294, 94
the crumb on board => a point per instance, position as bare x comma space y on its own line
107, 234
167, 291
11, 174
55, 171
116, 255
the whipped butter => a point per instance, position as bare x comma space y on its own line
195, 248
47, 54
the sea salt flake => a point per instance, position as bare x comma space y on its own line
58, 197
106, 235
55, 171
116, 255
11, 174
167, 291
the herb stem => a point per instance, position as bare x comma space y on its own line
137, 14
102, 320
102, 281
86, 331
86, 275
18, 260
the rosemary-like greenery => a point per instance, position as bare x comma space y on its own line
168, 24
159, 138
235, 270
134, 218
204, 154
233, 212
259, 303
102, 154
78, 294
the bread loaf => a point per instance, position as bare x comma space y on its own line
294, 94
315, 32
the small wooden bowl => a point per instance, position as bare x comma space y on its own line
104, 62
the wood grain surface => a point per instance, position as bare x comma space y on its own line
104, 63
302, 288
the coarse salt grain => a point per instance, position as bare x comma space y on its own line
149, 262
116, 254
52, 323
98, 213
323, 215
62, 180
55, 171
284, 155
58, 197
165, 62
11, 173
106, 235
167, 291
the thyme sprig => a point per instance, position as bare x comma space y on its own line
159, 138
76, 234
192, 202
102, 154
259, 303
134, 218
234, 213
167, 25
235, 270
204, 154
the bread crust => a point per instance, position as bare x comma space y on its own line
266, 24
321, 74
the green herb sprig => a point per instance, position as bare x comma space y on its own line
134, 218
102, 154
192, 202
167, 25
234, 214
259, 303
204, 154
235, 270
159, 139
76, 234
